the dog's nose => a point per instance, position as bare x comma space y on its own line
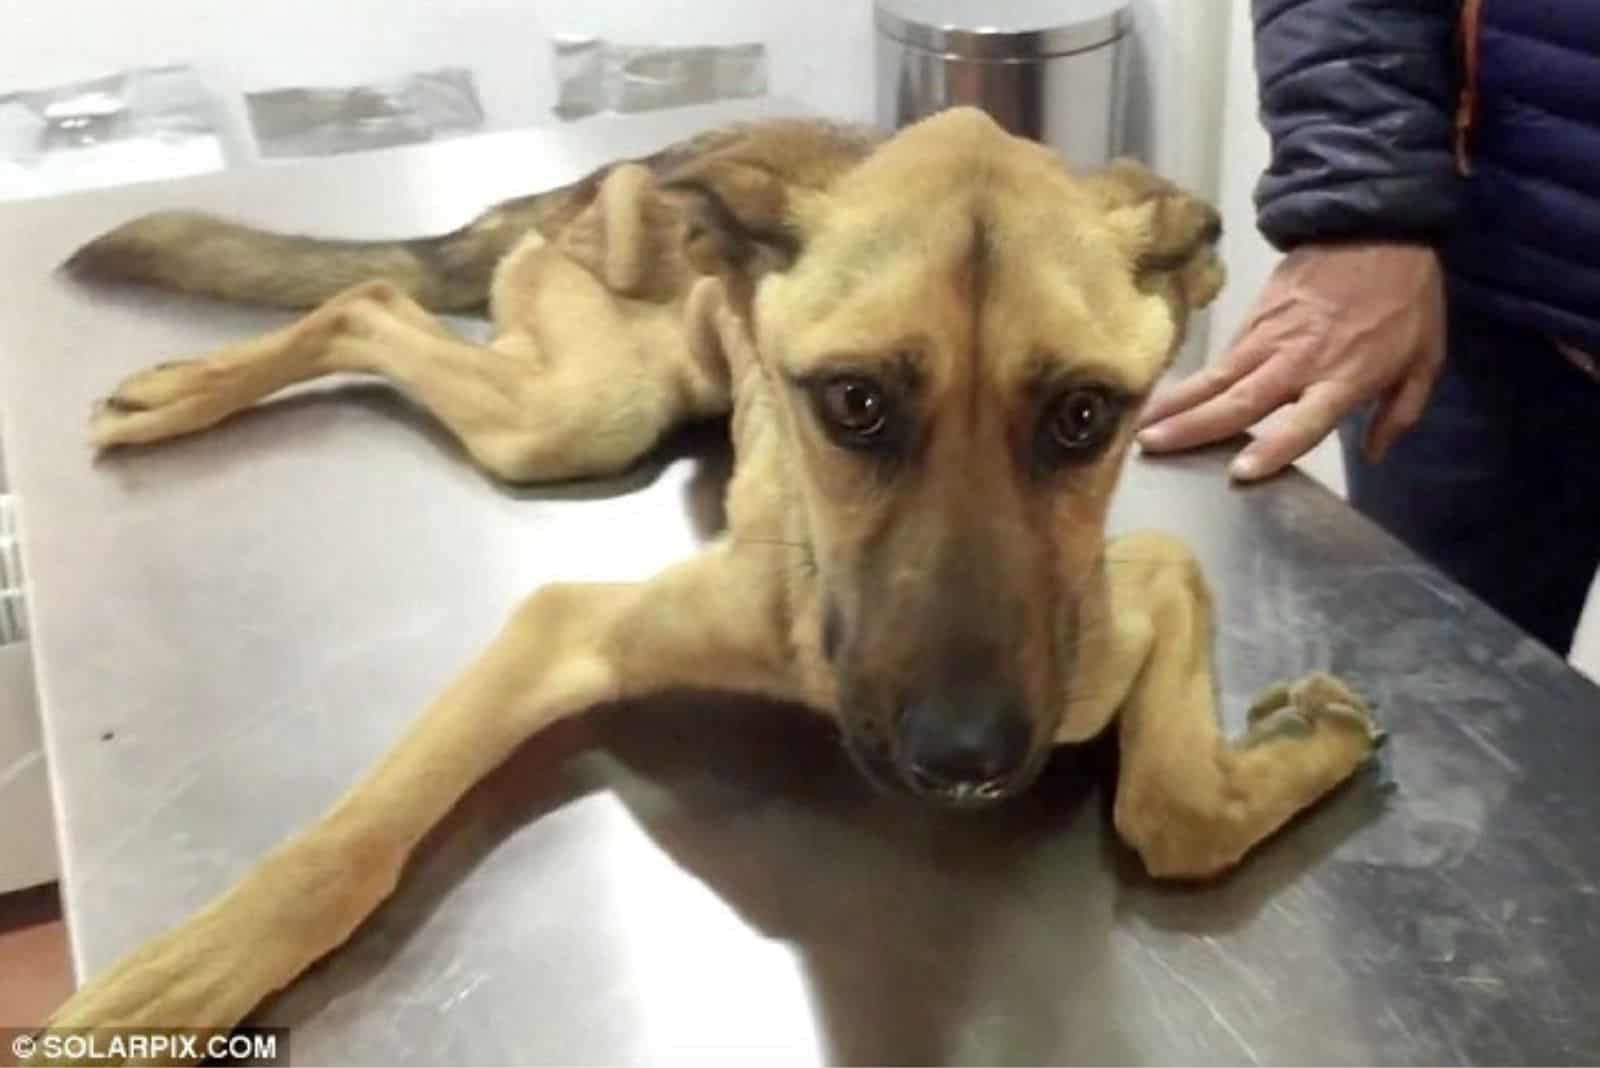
964, 746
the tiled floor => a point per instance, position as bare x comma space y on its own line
35, 975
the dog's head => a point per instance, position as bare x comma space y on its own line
960, 333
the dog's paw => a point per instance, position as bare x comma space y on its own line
1273, 699
157, 403
181, 983
1301, 707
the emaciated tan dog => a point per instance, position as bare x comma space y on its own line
933, 349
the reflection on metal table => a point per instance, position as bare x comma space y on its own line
230, 628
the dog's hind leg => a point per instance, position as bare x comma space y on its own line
605, 340
708, 622
588, 386
190, 395
1189, 800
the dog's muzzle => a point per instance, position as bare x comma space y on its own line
968, 747
963, 749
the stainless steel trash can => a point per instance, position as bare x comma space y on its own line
1051, 70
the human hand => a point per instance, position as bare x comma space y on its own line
1336, 326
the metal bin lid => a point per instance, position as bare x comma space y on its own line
1008, 30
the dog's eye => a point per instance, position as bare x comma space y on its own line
854, 406
1081, 419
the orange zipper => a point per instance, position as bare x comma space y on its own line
1467, 102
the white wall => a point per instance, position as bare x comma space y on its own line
825, 62
820, 54
1244, 154
1181, 49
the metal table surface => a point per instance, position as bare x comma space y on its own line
230, 628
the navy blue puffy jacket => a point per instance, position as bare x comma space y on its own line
1472, 124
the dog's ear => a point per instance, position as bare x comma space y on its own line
618, 236
1171, 234
740, 220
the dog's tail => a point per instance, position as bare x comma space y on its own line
205, 255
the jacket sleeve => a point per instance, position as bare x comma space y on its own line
1358, 97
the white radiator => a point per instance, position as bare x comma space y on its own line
27, 835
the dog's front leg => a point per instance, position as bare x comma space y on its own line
1189, 800
566, 649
